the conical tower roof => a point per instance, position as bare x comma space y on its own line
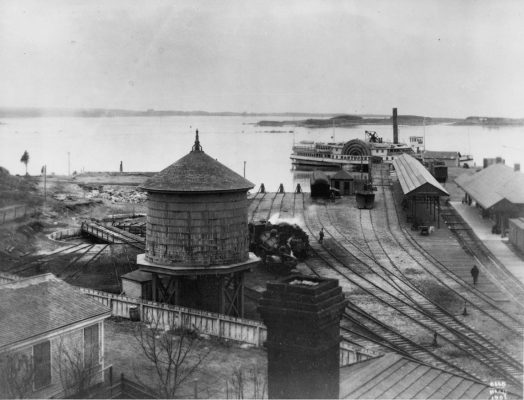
197, 172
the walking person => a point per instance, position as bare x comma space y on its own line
435, 342
475, 274
321, 235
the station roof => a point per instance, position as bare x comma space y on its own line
42, 304
197, 172
494, 184
392, 376
415, 178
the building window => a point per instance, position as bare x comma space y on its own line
42, 360
91, 346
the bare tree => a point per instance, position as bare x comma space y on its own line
175, 355
77, 370
242, 380
25, 160
16, 375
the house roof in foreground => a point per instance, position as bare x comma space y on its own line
38, 305
392, 376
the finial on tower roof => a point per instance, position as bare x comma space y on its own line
196, 146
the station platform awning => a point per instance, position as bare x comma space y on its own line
496, 186
415, 179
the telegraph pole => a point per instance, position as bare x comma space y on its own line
68, 163
45, 184
244, 169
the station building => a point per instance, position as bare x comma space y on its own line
498, 192
420, 190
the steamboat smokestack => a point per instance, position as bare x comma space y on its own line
395, 126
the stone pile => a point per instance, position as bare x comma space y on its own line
118, 196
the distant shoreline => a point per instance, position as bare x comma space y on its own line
413, 120
309, 120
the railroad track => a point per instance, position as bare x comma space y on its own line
475, 298
257, 200
474, 246
379, 333
43, 258
264, 208
414, 306
358, 327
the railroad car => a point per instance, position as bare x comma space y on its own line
320, 186
365, 197
439, 170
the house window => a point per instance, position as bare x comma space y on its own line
42, 360
91, 346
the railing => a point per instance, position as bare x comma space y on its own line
334, 157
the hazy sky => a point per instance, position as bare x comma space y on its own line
438, 58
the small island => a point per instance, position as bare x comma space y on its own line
355, 120
414, 120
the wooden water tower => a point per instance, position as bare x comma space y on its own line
197, 247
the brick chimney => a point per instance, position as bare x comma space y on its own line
302, 315
395, 126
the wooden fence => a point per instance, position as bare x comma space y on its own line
212, 324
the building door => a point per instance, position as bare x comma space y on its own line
346, 188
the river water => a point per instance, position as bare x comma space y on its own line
153, 143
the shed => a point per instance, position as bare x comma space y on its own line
420, 189
516, 233
498, 190
344, 182
138, 284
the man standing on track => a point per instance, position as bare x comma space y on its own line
475, 274
321, 235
